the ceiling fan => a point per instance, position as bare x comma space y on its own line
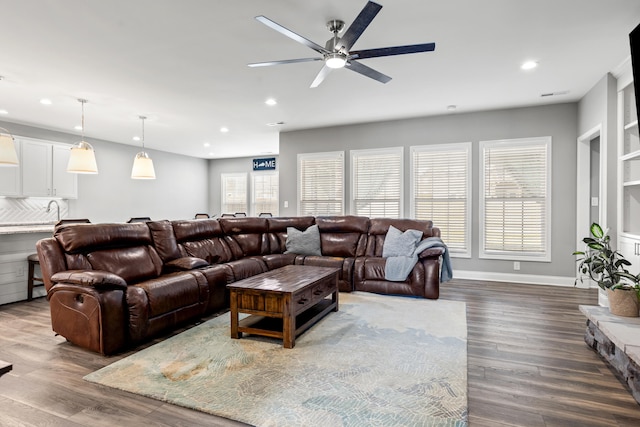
337, 52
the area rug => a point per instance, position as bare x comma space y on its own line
378, 361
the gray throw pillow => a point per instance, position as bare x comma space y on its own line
397, 243
303, 242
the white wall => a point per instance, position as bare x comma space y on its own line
180, 190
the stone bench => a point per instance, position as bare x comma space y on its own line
617, 340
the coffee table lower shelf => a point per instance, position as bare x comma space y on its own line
273, 326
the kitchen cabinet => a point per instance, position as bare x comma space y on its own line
44, 170
11, 177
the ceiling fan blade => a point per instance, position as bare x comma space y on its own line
367, 71
390, 51
320, 77
284, 61
360, 24
282, 30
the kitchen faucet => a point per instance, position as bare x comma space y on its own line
57, 206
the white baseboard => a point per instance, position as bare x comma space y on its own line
532, 279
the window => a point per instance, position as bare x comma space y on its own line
515, 199
264, 193
234, 192
321, 183
376, 185
441, 192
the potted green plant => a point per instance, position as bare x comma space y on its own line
608, 268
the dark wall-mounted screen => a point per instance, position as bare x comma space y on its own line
634, 40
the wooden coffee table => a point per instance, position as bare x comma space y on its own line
283, 303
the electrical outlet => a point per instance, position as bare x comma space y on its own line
286, 203
516, 265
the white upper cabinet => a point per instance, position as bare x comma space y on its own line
44, 170
10, 176
65, 184
36, 168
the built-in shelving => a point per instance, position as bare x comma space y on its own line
628, 174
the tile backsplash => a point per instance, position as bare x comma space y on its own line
30, 210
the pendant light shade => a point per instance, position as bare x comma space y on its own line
82, 158
8, 154
142, 163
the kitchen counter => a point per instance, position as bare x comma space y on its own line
26, 228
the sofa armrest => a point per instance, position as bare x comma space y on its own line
93, 278
185, 264
431, 253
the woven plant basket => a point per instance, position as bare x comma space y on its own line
623, 302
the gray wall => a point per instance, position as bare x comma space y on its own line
179, 191
558, 121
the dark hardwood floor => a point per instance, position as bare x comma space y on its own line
528, 366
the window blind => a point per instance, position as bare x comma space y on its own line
321, 183
441, 191
234, 192
264, 196
377, 182
516, 197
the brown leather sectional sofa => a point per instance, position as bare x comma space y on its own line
111, 286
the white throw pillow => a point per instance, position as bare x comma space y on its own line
305, 242
397, 243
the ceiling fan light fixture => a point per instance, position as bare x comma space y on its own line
335, 60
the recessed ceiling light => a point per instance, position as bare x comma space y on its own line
529, 65
45, 101
78, 127
271, 101
206, 144
224, 130
4, 112
211, 153
451, 107
136, 138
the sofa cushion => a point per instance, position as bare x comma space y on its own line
305, 242
82, 238
246, 236
343, 236
171, 292
132, 264
164, 239
397, 243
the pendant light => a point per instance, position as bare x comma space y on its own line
142, 163
8, 154
82, 158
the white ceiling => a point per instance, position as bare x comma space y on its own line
184, 64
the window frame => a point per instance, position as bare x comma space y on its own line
353, 154
274, 174
328, 155
484, 253
436, 148
223, 177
